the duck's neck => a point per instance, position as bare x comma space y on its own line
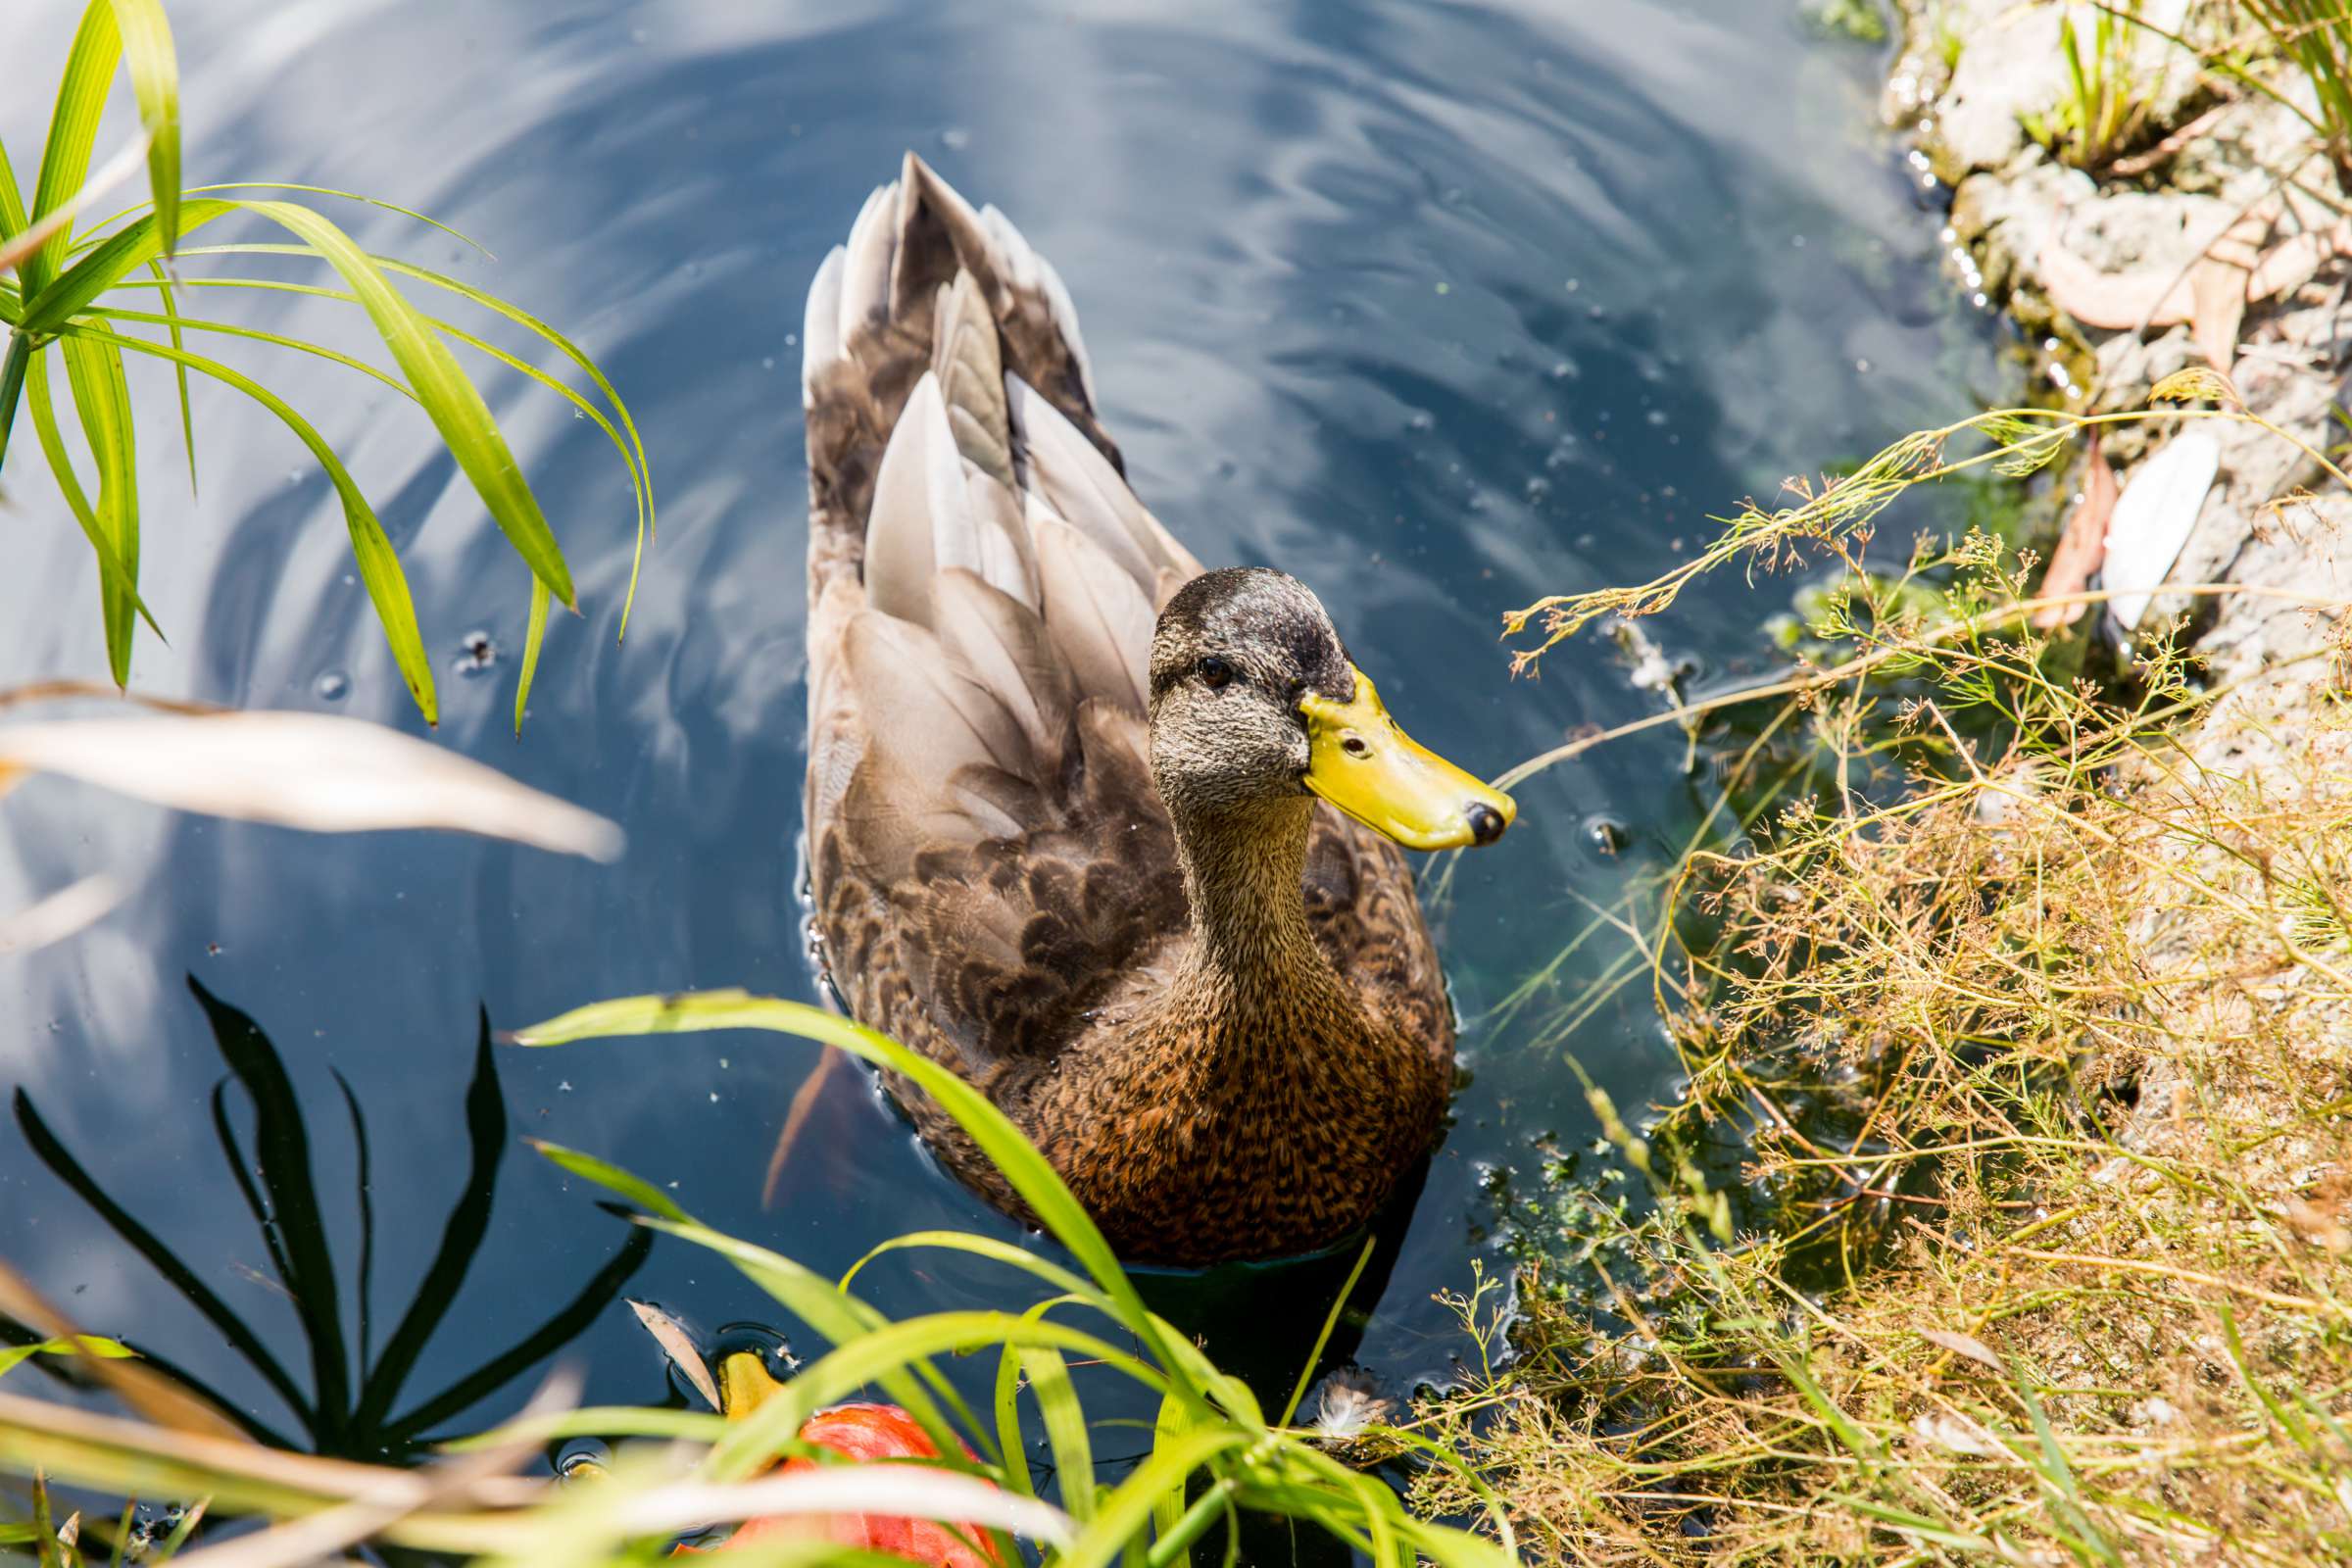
1252, 952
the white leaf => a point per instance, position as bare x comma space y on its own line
306, 770
2153, 520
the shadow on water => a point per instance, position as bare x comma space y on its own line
353, 1408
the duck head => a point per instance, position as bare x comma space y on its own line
1255, 701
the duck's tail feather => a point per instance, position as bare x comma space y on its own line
927, 288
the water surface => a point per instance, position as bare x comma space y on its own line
1440, 309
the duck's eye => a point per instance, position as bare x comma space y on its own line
1215, 672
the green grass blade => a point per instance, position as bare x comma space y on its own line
12, 370
102, 397
814, 1299
1331, 1321
1065, 1429
636, 1188
1024, 1167
425, 219
628, 456
191, 324
379, 567
531, 324
12, 219
50, 304
842, 1320
533, 634
988, 1247
889, 1351
111, 570
449, 400
172, 320
146, 43
72, 131
1129, 1506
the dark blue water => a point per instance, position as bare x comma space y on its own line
1440, 309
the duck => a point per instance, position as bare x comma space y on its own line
1117, 838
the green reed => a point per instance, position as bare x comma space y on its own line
69, 311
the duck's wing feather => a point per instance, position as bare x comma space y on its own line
986, 846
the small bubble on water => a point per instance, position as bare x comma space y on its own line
956, 138
1563, 370
1797, 242
1861, 366
293, 477
332, 687
476, 654
1538, 488
1596, 313
1656, 417
767, 362
1604, 835
1421, 419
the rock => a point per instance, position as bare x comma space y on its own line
2009, 67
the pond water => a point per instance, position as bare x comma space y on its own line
1440, 309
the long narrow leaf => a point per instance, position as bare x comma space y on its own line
51, 304
102, 397
379, 567
146, 41
449, 400
111, 570
588, 410
179, 372
533, 634
72, 131
546, 333
1024, 1167
816, 1301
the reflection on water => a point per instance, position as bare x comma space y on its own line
351, 1401
1440, 309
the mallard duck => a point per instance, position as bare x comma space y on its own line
1112, 836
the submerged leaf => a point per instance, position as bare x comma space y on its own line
306, 770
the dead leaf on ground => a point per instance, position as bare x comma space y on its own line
2319, 1227
2083, 544
2234, 269
1974, 1348
2218, 305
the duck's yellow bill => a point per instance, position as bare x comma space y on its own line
1361, 763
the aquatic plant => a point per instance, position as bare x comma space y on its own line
1216, 1454
351, 1406
67, 298
2020, 1028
